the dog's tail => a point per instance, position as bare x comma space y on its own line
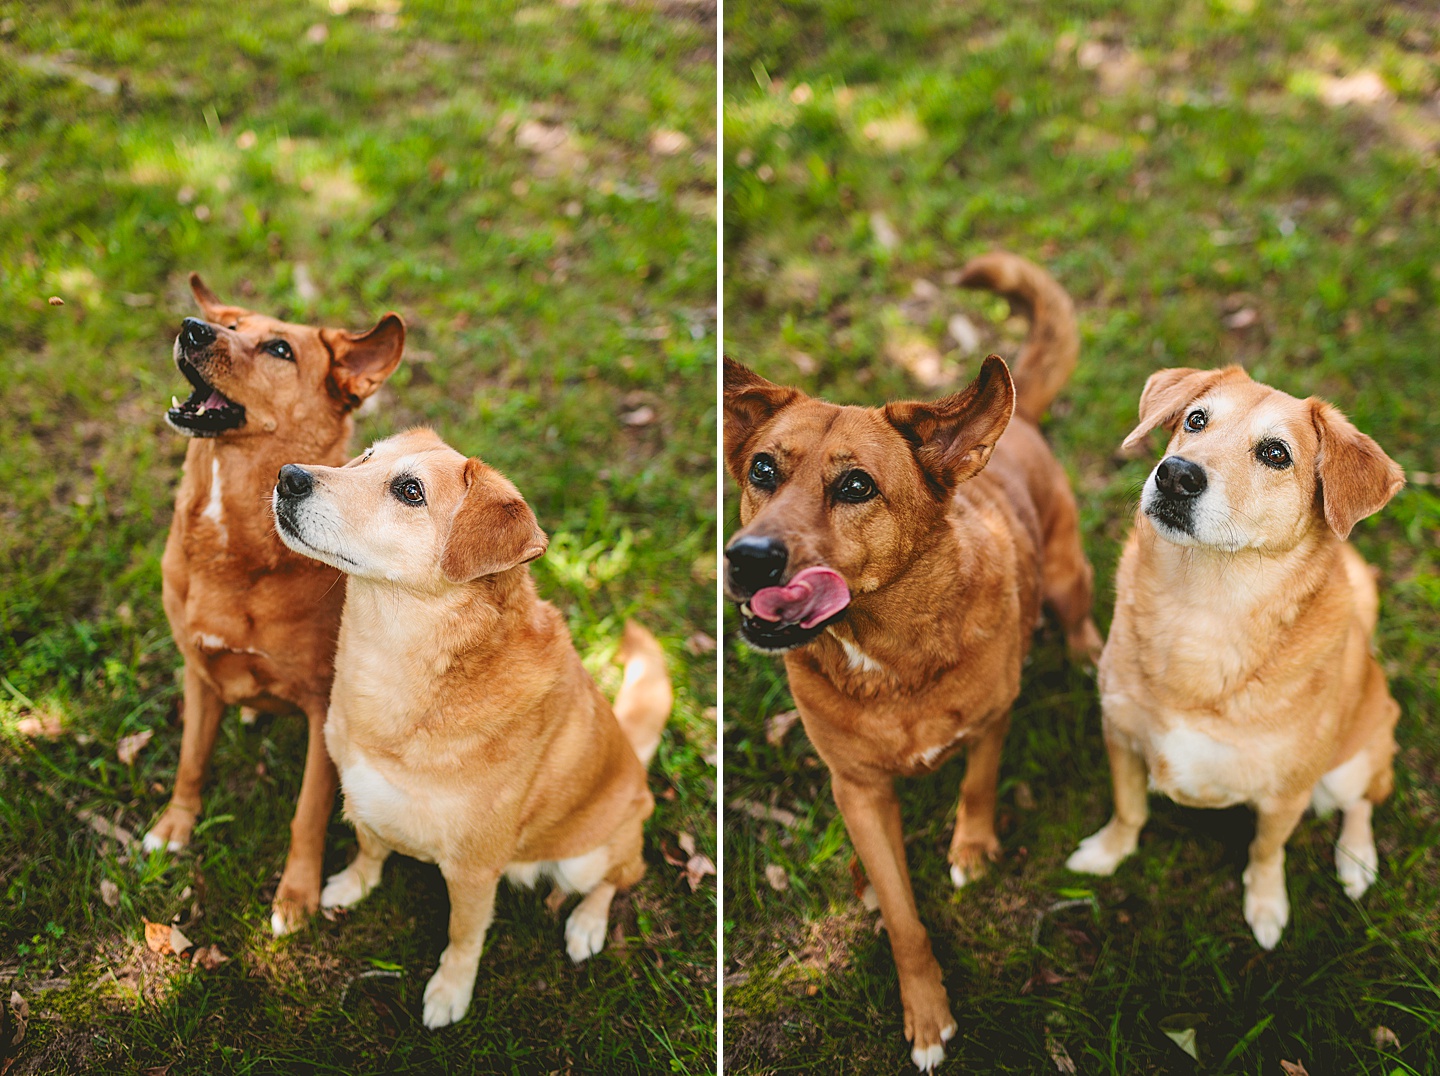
643, 704
1053, 346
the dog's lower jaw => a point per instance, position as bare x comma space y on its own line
773, 638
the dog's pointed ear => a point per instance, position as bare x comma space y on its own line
210, 304
360, 362
1169, 392
952, 438
750, 402
492, 530
1356, 477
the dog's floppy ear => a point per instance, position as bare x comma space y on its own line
750, 402
1168, 392
952, 438
362, 361
492, 530
1356, 477
210, 304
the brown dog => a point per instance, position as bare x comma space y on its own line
904, 577
1239, 667
255, 623
466, 730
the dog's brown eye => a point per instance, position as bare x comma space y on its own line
856, 487
1273, 454
763, 472
280, 349
408, 490
1196, 421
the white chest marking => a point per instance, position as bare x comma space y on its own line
1199, 771
930, 754
212, 507
399, 819
858, 658
579, 874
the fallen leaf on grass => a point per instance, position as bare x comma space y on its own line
129, 746
105, 827
1059, 1055
779, 725
700, 644
1361, 88
777, 877
886, 237
109, 892
641, 416
44, 723
762, 813
55, 300
668, 143
1242, 319
696, 869
208, 957
687, 843
1385, 1039
1294, 1068
1180, 1029
19, 1013
166, 939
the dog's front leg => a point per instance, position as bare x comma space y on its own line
472, 907
872, 815
1267, 907
1103, 850
975, 845
298, 895
200, 720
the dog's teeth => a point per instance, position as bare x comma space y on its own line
175, 402
746, 609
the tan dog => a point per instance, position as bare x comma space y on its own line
466, 730
255, 623
904, 578
1239, 667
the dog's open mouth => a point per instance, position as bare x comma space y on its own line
208, 412
784, 617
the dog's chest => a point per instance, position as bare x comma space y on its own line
379, 799
1196, 769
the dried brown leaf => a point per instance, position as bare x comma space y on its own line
696, 869
208, 957
109, 892
761, 813
778, 726
129, 746
778, 879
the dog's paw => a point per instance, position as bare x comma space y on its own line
249, 715
346, 888
294, 904
1101, 852
1357, 868
970, 860
1267, 908
447, 996
928, 1023
585, 932
172, 832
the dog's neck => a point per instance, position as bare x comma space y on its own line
1244, 604
900, 637
395, 637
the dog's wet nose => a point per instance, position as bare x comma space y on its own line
195, 334
754, 563
1178, 477
295, 482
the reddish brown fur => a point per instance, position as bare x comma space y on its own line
256, 623
975, 527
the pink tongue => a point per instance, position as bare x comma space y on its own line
215, 400
813, 596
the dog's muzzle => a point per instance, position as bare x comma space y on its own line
1178, 482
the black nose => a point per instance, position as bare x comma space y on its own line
195, 334
1179, 477
295, 482
755, 563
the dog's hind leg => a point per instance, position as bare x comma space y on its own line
298, 895
974, 844
586, 927
1068, 579
200, 717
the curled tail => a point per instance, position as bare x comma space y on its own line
1053, 346
643, 703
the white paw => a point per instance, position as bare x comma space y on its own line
343, 890
585, 933
961, 880
153, 842
1096, 854
281, 925
447, 998
927, 1058
1266, 911
1357, 868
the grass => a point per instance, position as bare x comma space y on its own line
1178, 170
509, 179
